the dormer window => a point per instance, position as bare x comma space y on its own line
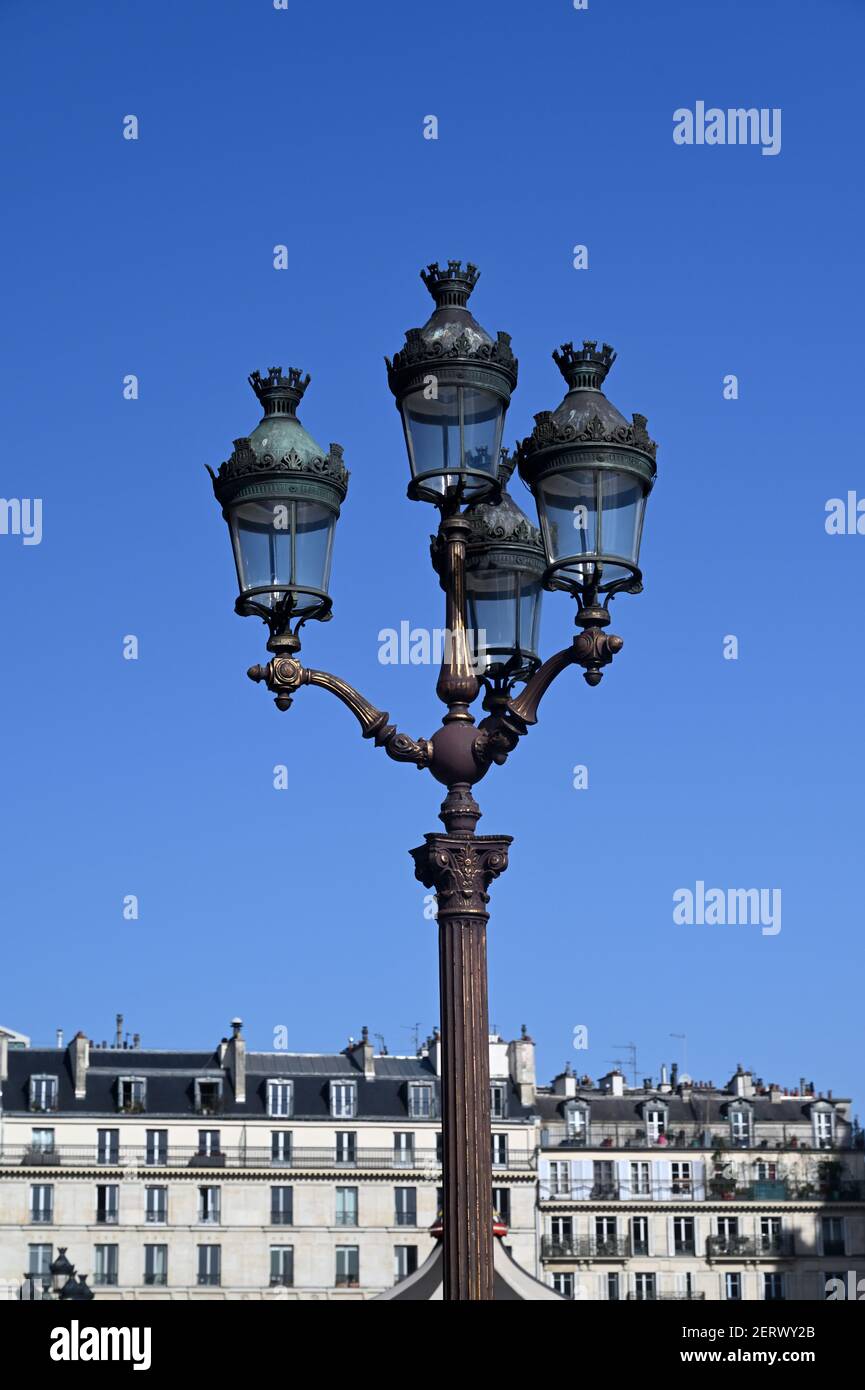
43, 1093
280, 1098
656, 1124
739, 1117
421, 1105
343, 1099
823, 1126
498, 1101
577, 1122
208, 1096
131, 1093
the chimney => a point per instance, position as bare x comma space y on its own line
136, 1039
435, 1052
521, 1067
118, 1036
59, 1037
774, 1092
234, 1061
613, 1083
363, 1055
565, 1084
665, 1085
674, 1075
79, 1061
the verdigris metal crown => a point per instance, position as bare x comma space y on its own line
586, 368
280, 395
452, 345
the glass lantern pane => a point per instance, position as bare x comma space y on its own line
567, 506
433, 431
483, 416
529, 614
622, 498
492, 615
261, 535
313, 545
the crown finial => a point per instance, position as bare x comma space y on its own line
279, 393
584, 368
450, 288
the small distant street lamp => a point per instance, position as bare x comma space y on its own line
62, 1284
61, 1271
590, 472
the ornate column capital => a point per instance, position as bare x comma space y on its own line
461, 868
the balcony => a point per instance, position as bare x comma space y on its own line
749, 1247
584, 1248
769, 1138
422, 1161
679, 1190
665, 1297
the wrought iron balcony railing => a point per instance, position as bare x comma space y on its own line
768, 1137
74, 1156
749, 1247
585, 1248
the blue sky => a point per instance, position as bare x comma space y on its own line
155, 777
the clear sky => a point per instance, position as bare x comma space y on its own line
154, 777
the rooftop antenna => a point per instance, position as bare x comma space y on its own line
382, 1043
684, 1040
414, 1029
632, 1048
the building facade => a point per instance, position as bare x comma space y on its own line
239, 1174
685, 1191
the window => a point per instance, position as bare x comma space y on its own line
108, 1146
733, 1287
281, 1206
561, 1230
208, 1206
681, 1179
502, 1203
773, 1287
42, 1141
403, 1149
500, 1150
347, 1266
156, 1264
833, 1235
644, 1288
210, 1264
404, 1261
576, 1123
740, 1127
105, 1264
613, 1293
498, 1101
39, 1260
606, 1237
405, 1206
156, 1205
770, 1235
685, 1286
282, 1265
280, 1098
824, 1123
639, 1235
346, 1206
604, 1178
656, 1127
564, 1284
440, 1147
560, 1179
107, 1204
420, 1101
280, 1146
209, 1143
641, 1180
343, 1099
683, 1235
43, 1093
728, 1234
42, 1204
131, 1093
208, 1099
157, 1146
766, 1172
346, 1146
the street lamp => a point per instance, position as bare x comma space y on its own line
61, 1271
590, 473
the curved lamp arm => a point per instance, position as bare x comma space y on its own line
284, 676
500, 733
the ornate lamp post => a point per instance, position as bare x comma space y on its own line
590, 473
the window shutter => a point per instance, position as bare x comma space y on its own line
581, 1177
665, 1180
698, 1170
624, 1168
671, 1248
